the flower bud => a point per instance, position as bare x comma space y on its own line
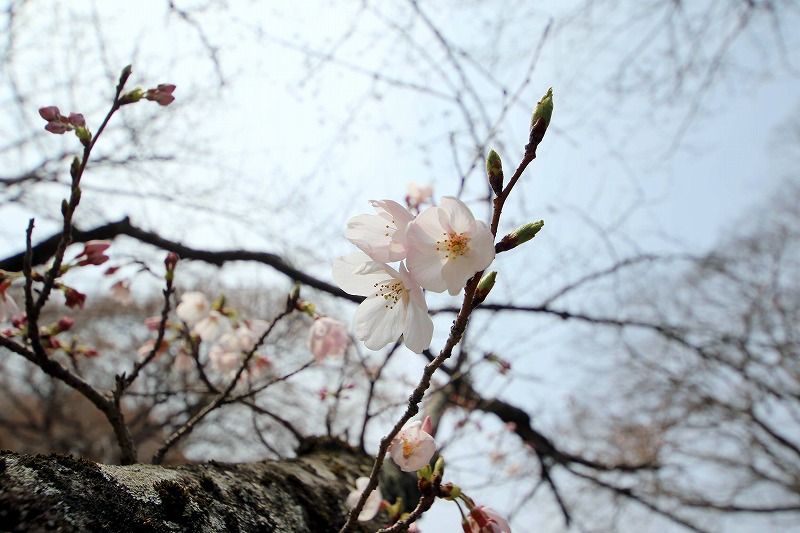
484, 288
494, 171
541, 117
131, 97
56, 127
171, 261
65, 324
75, 167
84, 135
77, 120
520, 235
50, 113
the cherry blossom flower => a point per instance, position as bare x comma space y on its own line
8, 307
486, 520
373, 503
327, 337
381, 236
229, 351
417, 195
412, 448
121, 293
447, 246
193, 308
212, 327
395, 304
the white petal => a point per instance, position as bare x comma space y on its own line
456, 273
426, 229
458, 215
481, 247
426, 269
355, 275
378, 325
418, 330
375, 236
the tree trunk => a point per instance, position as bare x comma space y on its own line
61, 493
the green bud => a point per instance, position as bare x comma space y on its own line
438, 467
124, 75
131, 97
541, 117
84, 135
519, 236
484, 288
494, 171
75, 167
425, 473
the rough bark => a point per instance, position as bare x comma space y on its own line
59, 492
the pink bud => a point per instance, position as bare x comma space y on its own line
65, 324
77, 120
427, 426
162, 94
50, 113
55, 127
152, 323
171, 261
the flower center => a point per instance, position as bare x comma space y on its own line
408, 448
453, 245
392, 292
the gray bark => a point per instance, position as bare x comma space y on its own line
62, 493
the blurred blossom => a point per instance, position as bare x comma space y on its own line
74, 298
212, 327
8, 307
121, 293
417, 195
373, 503
327, 337
193, 308
486, 520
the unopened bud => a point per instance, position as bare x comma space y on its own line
484, 288
292, 302
75, 167
519, 236
494, 171
541, 117
50, 113
438, 467
84, 135
131, 97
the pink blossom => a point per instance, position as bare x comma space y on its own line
412, 448
417, 195
212, 327
152, 323
193, 308
8, 307
373, 503
486, 520
121, 293
327, 337
183, 360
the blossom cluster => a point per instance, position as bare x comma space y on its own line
438, 250
229, 343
